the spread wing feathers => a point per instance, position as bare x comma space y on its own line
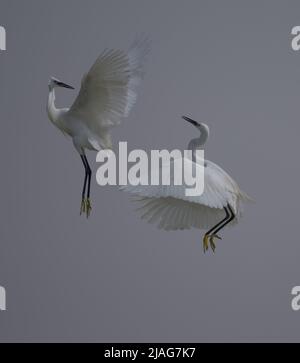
173, 214
219, 188
171, 209
108, 91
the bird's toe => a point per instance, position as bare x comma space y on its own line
205, 243
88, 208
212, 243
83, 207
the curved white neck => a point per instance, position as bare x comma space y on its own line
52, 110
199, 142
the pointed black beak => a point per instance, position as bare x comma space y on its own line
190, 121
64, 85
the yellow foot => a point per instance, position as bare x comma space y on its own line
86, 207
210, 240
205, 243
82, 208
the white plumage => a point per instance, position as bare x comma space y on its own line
170, 209
108, 92
201, 211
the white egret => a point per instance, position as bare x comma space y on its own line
108, 92
171, 209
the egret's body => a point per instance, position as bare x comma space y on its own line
218, 206
107, 94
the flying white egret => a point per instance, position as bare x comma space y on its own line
171, 209
108, 92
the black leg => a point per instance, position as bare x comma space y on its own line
226, 222
85, 178
89, 175
212, 234
220, 223
86, 203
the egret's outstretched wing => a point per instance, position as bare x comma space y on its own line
108, 91
171, 209
173, 214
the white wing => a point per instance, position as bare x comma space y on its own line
173, 214
171, 209
108, 91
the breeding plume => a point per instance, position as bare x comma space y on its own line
217, 207
107, 94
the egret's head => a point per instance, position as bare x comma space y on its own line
53, 83
203, 128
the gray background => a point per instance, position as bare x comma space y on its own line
114, 278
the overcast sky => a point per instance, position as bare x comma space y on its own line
114, 278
